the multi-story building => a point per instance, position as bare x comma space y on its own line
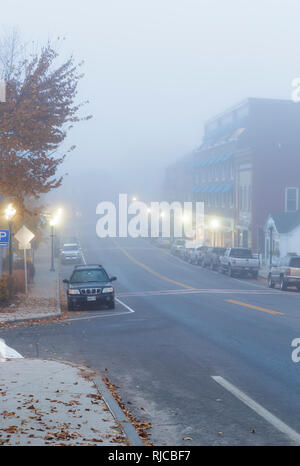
247, 166
179, 179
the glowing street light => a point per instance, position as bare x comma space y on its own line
215, 225
54, 220
10, 212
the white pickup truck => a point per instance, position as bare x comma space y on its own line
238, 261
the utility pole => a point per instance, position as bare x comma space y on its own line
52, 249
10, 212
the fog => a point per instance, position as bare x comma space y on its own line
155, 71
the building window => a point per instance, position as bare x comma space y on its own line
241, 198
231, 203
291, 199
245, 207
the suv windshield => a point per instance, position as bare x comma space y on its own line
295, 262
241, 253
85, 276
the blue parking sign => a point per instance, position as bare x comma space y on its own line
4, 238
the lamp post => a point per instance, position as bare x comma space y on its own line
53, 222
10, 212
271, 245
214, 226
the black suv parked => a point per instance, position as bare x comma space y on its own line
90, 285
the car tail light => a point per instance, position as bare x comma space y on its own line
288, 272
234, 262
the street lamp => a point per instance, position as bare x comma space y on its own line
10, 212
214, 224
271, 229
54, 220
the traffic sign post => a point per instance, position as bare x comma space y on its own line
24, 236
4, 238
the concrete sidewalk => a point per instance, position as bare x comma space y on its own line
44, 402
42, 300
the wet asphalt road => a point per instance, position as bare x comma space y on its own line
176, 326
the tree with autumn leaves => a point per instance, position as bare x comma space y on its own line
39, 111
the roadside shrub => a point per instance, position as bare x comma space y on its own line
19, 265
4, 293
15, 283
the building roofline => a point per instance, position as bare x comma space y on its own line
241, 104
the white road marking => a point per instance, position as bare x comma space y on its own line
111, 314
125, 305
260, 410
83, 258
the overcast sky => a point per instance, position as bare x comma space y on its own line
155, 70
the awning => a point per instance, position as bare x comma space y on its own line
213, 160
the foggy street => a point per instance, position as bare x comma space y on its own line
150, 226
173, 329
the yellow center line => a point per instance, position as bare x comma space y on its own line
145, 267
258, 308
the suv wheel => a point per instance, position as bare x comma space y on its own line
271, 284
111, 305
283, 285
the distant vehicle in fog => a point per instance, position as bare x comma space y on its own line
177, 247
239, 261
162, 242
212, 257
70, 253
286, 274
70, 240
197, 255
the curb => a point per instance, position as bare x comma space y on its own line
118, 414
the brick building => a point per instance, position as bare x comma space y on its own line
247, 166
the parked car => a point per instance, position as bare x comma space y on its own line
70, 240
197, 255
187, 253
237, 261
70, 253
212, 257
90, 285
286, 274
177, 247
163, 243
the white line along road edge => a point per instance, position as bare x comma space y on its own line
260, 410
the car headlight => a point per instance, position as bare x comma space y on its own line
70, 291
108, 290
